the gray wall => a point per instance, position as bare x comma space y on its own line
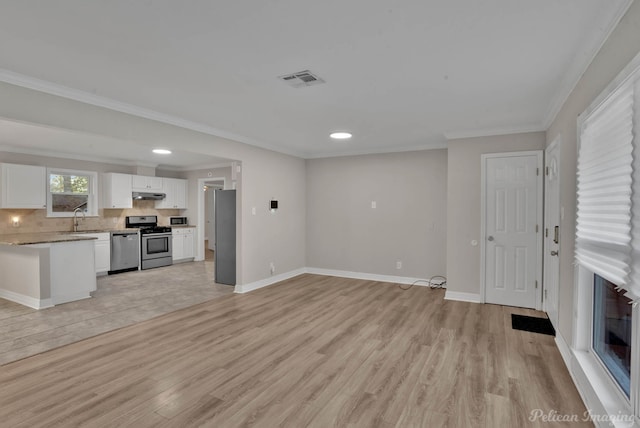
621, 47
409, 223
463, 202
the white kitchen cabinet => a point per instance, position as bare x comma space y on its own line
116, 190
102, 251
177, 243
143, 183
23, 186
183, 243
189, 243
175, 190
180, 196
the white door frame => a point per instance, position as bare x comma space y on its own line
539, 220
209, 211
555, 145
201, 224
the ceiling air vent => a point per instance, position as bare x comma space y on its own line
300, 79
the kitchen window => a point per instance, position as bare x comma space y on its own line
69, 190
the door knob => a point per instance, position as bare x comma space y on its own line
490, 238
554, 253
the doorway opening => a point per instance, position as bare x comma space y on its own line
209, 189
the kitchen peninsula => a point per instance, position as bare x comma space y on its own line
41, 270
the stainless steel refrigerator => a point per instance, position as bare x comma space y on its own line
225, 247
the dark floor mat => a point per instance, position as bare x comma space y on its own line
532, 324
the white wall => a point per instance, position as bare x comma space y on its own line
194, 188
195, 191
622, 46
261, 238
463, 202
408, 225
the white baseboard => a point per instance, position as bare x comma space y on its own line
31, 302
565, 350
462, 297
245, 288
368, 276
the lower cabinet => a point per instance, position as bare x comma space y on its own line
183, 243
102, 251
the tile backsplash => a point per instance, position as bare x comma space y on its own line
33, 221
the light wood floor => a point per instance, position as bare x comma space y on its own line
311, 351
208, 254
120, 300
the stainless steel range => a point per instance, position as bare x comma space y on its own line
155, 241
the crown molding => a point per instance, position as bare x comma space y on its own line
413, 148
62, 155
197, 167
489, 132
56, 89
577, 69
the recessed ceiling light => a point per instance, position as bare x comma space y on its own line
161, 151
340, 135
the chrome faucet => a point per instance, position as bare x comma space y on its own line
75, 218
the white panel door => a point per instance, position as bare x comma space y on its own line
512, 249
552, 232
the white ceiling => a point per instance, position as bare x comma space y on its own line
27, 138
399, 75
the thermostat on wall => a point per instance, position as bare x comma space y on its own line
274, 205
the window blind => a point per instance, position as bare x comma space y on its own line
604, 189
633, 288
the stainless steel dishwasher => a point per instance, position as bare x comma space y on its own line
125, 251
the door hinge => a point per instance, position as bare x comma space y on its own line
546, 170
545, 294
536, 284
537, 171
536, 228
546, 232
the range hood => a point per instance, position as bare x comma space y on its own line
144, 196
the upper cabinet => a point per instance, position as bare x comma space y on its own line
176, 191
23, 186
116, 190
142, 183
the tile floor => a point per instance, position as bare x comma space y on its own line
120, 300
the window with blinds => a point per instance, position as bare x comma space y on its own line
604, 243
607, 246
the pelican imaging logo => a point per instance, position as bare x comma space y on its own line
553, 416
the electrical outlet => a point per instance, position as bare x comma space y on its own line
272, 268
374, 205
253, 210
398, 264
